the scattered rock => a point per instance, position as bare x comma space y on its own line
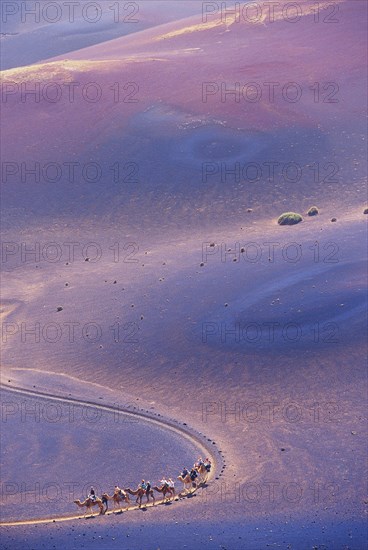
365, 211
249, 210
201, 264
289, 218
59, 308
333, 219
313, 211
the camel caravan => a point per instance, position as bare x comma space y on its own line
191, 479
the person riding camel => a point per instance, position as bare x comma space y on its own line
117, 490
193, 474
171, 484
207, 464
143, 485
184, 473
92, 495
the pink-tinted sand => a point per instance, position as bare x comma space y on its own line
286, 409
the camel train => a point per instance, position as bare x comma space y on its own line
190, 479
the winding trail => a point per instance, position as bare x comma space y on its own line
183, 430
118, 511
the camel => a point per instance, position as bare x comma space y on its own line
203, 473
89, 503
165, 490
187, 480
117, 498
140, 494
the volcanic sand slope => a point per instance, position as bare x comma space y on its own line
59, 29
169, 132
168, 301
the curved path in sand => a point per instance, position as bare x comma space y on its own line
182, 429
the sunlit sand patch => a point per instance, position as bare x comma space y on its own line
232, 18
199, 27
7, 307
65, 69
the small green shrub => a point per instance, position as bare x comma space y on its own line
289, 218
